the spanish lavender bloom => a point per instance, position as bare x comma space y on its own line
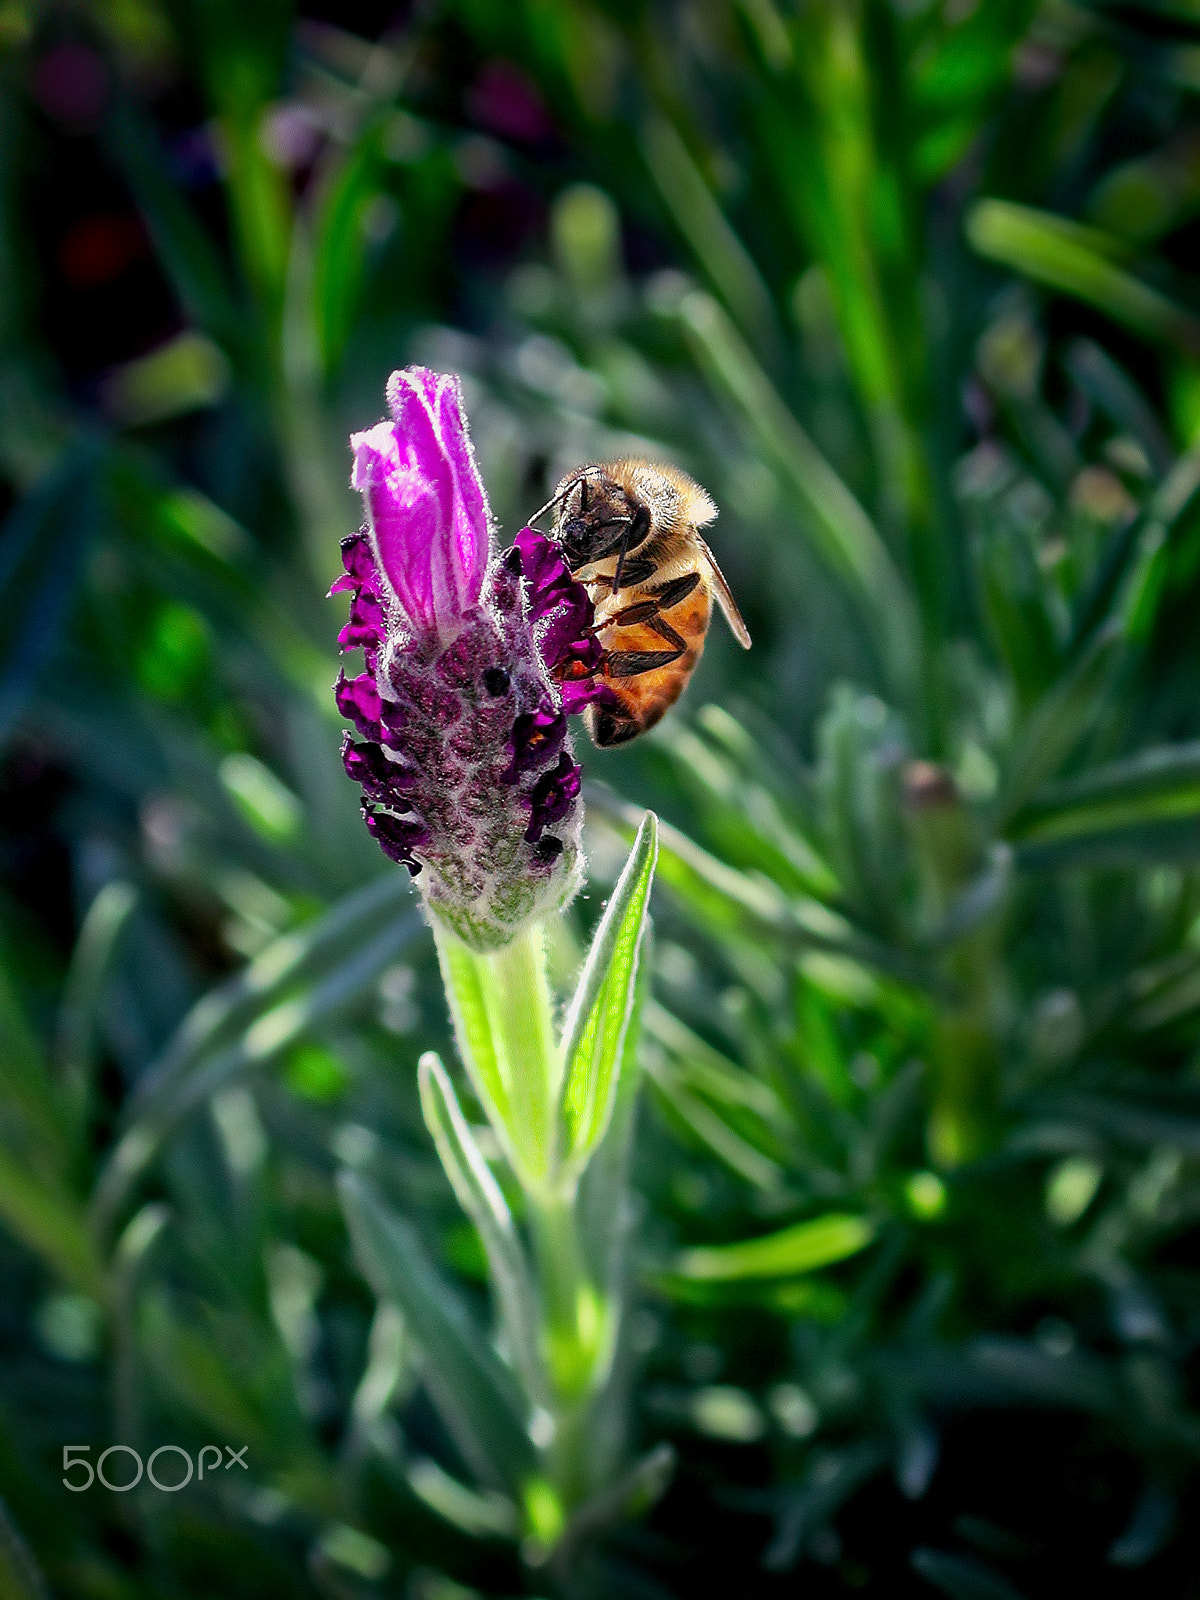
473, 662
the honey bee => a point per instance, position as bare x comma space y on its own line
630, 532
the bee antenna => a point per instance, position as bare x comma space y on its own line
557, 498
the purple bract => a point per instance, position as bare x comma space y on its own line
430, 525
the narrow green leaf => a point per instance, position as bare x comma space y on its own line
128, 1272
1079, 261
1170, 1118
473, 1392
260, 202
91, 962
190, 257
961, 1579
594, 1032
50, 1222
602, 1204
20, 1577
633, 1494
480, 1197
1160, 785
1061, 719
707, 1125
742, 813
272, 1011
711, 1073
339, 256
841, 532
1135, 552
741, 909
729, 266
304, 954
1118, 396
801, 1248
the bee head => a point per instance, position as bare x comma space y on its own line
594, 516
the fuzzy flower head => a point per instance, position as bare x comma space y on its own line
473, 661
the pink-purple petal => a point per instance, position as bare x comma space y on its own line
426, 505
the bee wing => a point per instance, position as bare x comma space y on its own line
725, 597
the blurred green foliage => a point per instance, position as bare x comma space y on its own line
909, 286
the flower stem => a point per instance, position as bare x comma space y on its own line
573, 1313
500, 1003
517, 995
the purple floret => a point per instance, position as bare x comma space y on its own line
563, 615
553, 796
536, 737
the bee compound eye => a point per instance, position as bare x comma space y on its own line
497, 681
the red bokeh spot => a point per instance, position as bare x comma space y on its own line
99, 248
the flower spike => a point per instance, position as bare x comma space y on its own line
473, 663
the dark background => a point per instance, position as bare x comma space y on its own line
910, 287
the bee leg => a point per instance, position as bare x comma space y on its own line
641, 612
632, 663
675, 590
649, 612
664, 630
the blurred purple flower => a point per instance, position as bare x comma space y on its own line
507, 101
472, 665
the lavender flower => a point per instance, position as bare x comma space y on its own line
473, 662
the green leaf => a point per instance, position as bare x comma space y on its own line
712, 1074
841, 532
594, 1032
602, 1203
473, 1392
480, 1197
960, 1579
632, 1495
189, 256
20, 1578
730, 268
1114, 391
297, 983
681, 1105
1149, 803
338, 257
463, 979
803, 1247
1061, 718
50, 1222
1080, 262
1120, 588
91, 963
740, 812
740, 909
